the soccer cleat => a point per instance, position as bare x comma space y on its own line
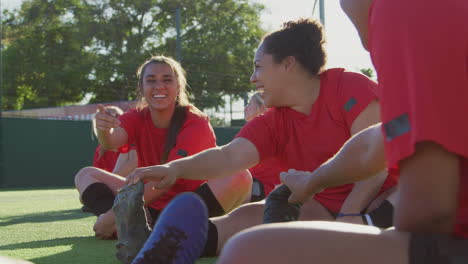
130, 221
278, 209
86, 209
179, 235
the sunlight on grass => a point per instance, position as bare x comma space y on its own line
48, 227
31, 253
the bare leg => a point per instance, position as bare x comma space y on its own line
251, 214
231, 191
316, 242
428, 190
90, 175
8, 260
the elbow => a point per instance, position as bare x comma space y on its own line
374, 154
357, 12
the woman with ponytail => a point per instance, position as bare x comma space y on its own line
163, 127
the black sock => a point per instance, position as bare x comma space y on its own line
205, 193
211, 245
382, 216
98, 197
430, 248
278, 209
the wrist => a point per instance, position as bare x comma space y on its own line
314, 182
174, 169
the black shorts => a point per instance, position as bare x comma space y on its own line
437, 249
258, 191
154, 215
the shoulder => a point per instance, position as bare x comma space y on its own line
135, 113
270, 115
339, 81
342, 75
196, 121
195, 116
356, 78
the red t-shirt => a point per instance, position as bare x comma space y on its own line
267, 172
109, 158
195, 135
304, 142
424, 80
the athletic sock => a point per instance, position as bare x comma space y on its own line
211, 245
429, 248
381, 217
98, 197
214, 207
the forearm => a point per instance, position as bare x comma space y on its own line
210, 164
110, 139
151, 193
360, 158
126, 163
363, 193
105, 139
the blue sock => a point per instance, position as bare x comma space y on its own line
180, 233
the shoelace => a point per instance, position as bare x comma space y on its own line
165, 250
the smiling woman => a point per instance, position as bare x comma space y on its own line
313, 112
163, 127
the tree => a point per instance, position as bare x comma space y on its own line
44, 61
109, 39
218, 41
368, 72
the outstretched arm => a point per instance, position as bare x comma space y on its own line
109, 134
361, 157
364, 191
126, 163
213, 163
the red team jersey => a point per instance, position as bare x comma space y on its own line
195, 135
304, 142
267, 172
420, 53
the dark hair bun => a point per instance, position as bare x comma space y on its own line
303, 39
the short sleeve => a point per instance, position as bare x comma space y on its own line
354, 93
261, 132
196, 135
131, 121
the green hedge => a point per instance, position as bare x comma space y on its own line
48, 153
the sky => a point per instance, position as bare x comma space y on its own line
343, 44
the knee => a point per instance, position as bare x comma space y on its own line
241, 181
249, 211
238, 249
244, 180
85, 173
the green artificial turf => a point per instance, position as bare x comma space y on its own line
46, 226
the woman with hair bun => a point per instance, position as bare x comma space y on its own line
314, 111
